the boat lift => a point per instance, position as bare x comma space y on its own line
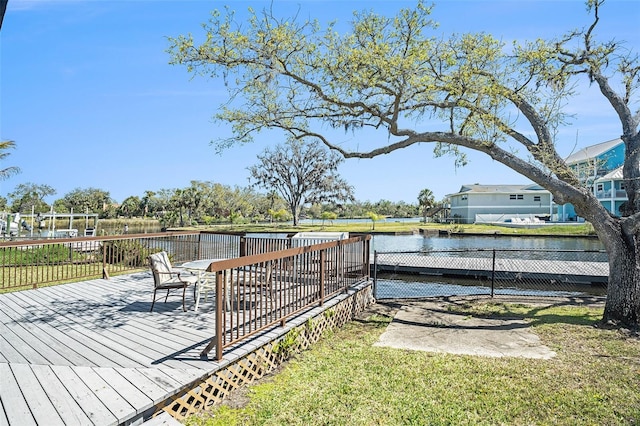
44, 225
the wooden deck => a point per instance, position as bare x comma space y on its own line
558, 270
91, 353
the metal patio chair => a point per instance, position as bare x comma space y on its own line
165, 277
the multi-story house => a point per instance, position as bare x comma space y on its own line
599, 167
609, 189
500, 203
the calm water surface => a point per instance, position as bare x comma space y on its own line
428, 243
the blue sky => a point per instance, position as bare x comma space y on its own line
89, 98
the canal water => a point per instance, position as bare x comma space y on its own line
431, 243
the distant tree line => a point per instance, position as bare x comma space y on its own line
199, 203
301, 178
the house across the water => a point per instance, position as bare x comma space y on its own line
599, 167
501, 203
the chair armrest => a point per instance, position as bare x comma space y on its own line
170, 273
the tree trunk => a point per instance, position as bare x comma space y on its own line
623, 292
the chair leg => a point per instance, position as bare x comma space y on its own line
165, 299
184, 294
153, 302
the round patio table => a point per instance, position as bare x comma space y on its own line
206, 281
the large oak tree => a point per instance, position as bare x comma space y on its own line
391, 75
301, 172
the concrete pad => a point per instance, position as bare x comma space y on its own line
428, 326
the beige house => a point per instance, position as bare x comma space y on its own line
500, 203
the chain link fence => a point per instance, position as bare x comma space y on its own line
544, 273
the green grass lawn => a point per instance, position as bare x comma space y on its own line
344, 380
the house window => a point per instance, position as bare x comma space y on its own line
536, 198
622, 188
464, 197
516, 197
599, 187
512, 196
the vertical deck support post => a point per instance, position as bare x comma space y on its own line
323, 258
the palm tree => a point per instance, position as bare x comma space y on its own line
426, 201
9, 171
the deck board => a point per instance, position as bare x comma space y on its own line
81, 332
42, 342
89, 356
90, 403
66, 406
15, 405
114, 402
136, 397
40, 406
112, 329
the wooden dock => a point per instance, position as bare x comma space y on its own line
91, 353
505, 269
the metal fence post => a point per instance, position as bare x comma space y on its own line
375, 274
493, 272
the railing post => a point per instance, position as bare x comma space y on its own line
220, 320
366, 246
220, 324
493, 272
243, 246
105, 247
323, 257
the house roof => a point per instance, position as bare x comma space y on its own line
613, 175
500, 189
592, 151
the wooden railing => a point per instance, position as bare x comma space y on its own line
33, 263
264, 282
258, 291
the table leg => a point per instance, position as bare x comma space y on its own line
198, 290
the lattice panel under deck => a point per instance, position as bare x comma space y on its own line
261, 361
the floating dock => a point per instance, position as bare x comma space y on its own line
504, 269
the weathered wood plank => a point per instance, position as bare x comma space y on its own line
94, 353
9, 353
20, 345
115, 403
3, 416
47, 325
147, 386
162, 379
135, 397
83, 332
91, 332
138, 334
84, 396
15, 407
43, 342
66, 406
41, 407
